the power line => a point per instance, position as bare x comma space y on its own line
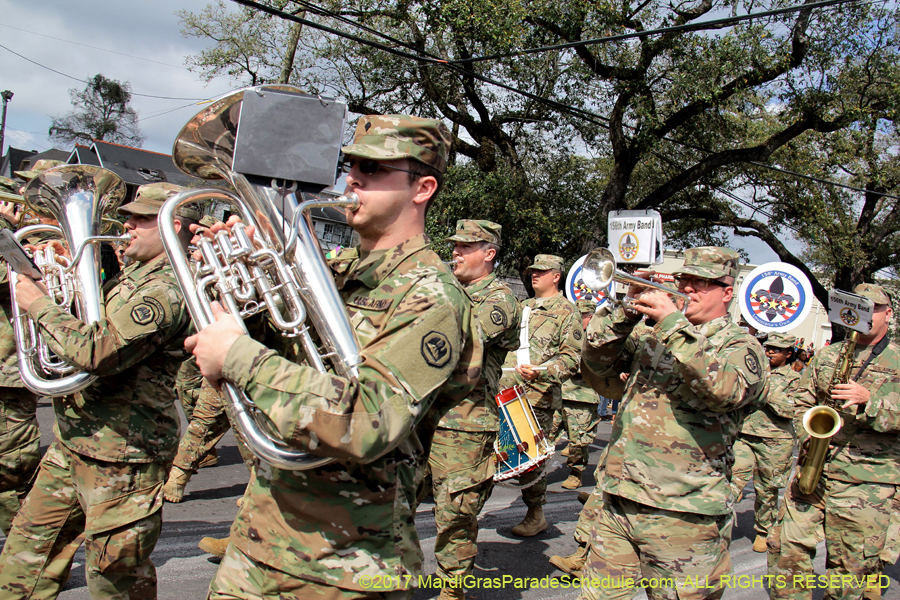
87, 82
94, 47
712, 24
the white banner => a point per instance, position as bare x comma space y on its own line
635, 237
850, 310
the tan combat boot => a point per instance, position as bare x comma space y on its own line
214, 546
583, 497
173, 491
210, 460
449, 593
573, 482
759, 544
564, 451
571, 564
532, 524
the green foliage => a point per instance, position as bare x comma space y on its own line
102, 111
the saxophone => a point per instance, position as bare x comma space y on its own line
823, 422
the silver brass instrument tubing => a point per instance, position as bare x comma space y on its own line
76, 196
599, 270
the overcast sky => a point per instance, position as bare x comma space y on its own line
56, 33
141, 43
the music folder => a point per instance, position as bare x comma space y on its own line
13, 252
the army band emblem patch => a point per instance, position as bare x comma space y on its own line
436, 349
143, 314
775, 297
498, 317
752, 363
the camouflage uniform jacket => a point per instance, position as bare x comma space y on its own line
773, 418
356, 517
576, 390
671, 444
9, 366
555, 335
128, 414
867, 448
498, 312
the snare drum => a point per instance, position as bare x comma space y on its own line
521, 445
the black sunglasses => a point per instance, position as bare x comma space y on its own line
370, 167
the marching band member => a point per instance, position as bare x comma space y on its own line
103, 475
667, 503
554, 337
461, 461
764, 448
347, 529
852, 503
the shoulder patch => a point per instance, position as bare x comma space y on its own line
576, 333
752, 363
144, 313
498, 317
157, 305
370, 303
436, 349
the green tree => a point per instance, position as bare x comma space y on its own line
675, 122
102, 111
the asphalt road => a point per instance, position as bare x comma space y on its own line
184, 571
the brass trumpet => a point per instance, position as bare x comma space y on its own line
599, 270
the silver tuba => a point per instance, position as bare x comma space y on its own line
76, 196
284, 272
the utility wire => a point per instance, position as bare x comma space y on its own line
87, 82
712, 24
587, 115
94, 47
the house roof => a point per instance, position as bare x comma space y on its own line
328, 214
133, 165
21, 160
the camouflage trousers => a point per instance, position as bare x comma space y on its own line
241, 577
535, 491
20, 452
580, 422
852, 518
589, 514
669, 554
461, 466
114, 508
768, 462
209, 421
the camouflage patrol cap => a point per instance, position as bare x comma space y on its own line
873, 292
208, 221
711, 262
586, 306
151, 196
470, 230
38, 168
9, 189
389, 137
545, 262
780, 340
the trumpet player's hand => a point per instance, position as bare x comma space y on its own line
655, 304
28, 290
850, 394
211, 345
527, 372
11, 212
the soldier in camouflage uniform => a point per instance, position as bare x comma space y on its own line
764, 448
554, 340
347, 529
461, 461
102, 478
20, 435
579, 412
668, 503
852, 504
